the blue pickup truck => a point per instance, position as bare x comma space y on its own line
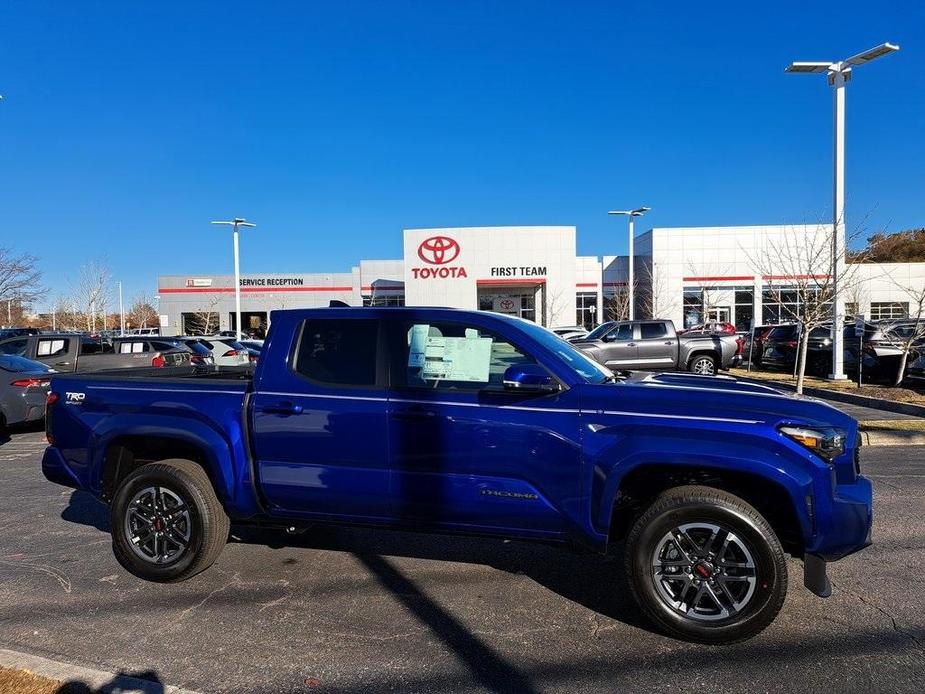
458, 421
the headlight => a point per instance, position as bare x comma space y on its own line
827, 443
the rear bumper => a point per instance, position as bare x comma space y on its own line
56, 469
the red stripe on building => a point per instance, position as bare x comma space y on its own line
795, 277
501, 283
586, 284
733, 278
248, 290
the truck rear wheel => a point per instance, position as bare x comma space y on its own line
167, 523
705, 566
702, 364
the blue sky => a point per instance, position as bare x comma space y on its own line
127, 126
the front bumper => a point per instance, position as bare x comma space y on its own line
844, 525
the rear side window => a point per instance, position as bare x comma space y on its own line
338, 351
16, 347
51, 348
652, 331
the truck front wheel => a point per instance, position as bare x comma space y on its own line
705, 566
167, 523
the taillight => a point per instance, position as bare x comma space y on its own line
30, 382
253, 358
50, 400
231, 353
790, 343
196, 359
740, 345
158, 360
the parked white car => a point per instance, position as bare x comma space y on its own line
570, 332
226, 351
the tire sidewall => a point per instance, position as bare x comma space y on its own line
698, 358
176, 482
765, 601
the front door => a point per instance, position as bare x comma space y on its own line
465, 451
319, 422
619, 350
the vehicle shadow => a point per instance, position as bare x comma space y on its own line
86, 509
593, 581
146, 682
7, 432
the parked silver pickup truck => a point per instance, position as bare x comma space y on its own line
653, 345
78, 353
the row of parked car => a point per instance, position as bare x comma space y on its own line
27, 361
773, 346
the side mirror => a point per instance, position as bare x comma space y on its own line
529, 378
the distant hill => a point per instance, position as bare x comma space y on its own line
902, 247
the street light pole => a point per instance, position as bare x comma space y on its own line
121, 313
234, 224
838, 75
631, 282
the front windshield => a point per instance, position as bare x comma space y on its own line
589, 369
599, 331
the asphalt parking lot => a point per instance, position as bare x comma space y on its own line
359, 610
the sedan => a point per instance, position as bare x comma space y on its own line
23, 387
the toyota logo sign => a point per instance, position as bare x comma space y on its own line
507, 304
438, 250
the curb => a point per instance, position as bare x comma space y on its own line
95, 680
892, 437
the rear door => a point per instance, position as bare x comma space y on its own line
319, 421
58, 352
656, 349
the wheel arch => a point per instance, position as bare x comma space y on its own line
771, 495
116, 453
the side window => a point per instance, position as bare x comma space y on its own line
453, 356
51, 348
338, 351
131, 347
623, 333
17, 347
652, 331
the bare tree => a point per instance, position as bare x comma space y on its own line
617, 305
907, 334
205, 320
91, 292
142, 313
798, 272
652, 297
555, 303
20, 281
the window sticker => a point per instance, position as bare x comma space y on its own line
448, 358
49, 347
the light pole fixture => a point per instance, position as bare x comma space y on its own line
630, 283
838, 75
234, 224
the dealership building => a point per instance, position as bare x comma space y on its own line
734, 274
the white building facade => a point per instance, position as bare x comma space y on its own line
685, 274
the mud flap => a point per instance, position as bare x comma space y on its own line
815, 577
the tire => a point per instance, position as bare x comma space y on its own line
679, 597
181, 521
704, 364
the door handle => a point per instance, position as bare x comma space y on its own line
62, 363
668, 342
283, 408
631, 344
414, 414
